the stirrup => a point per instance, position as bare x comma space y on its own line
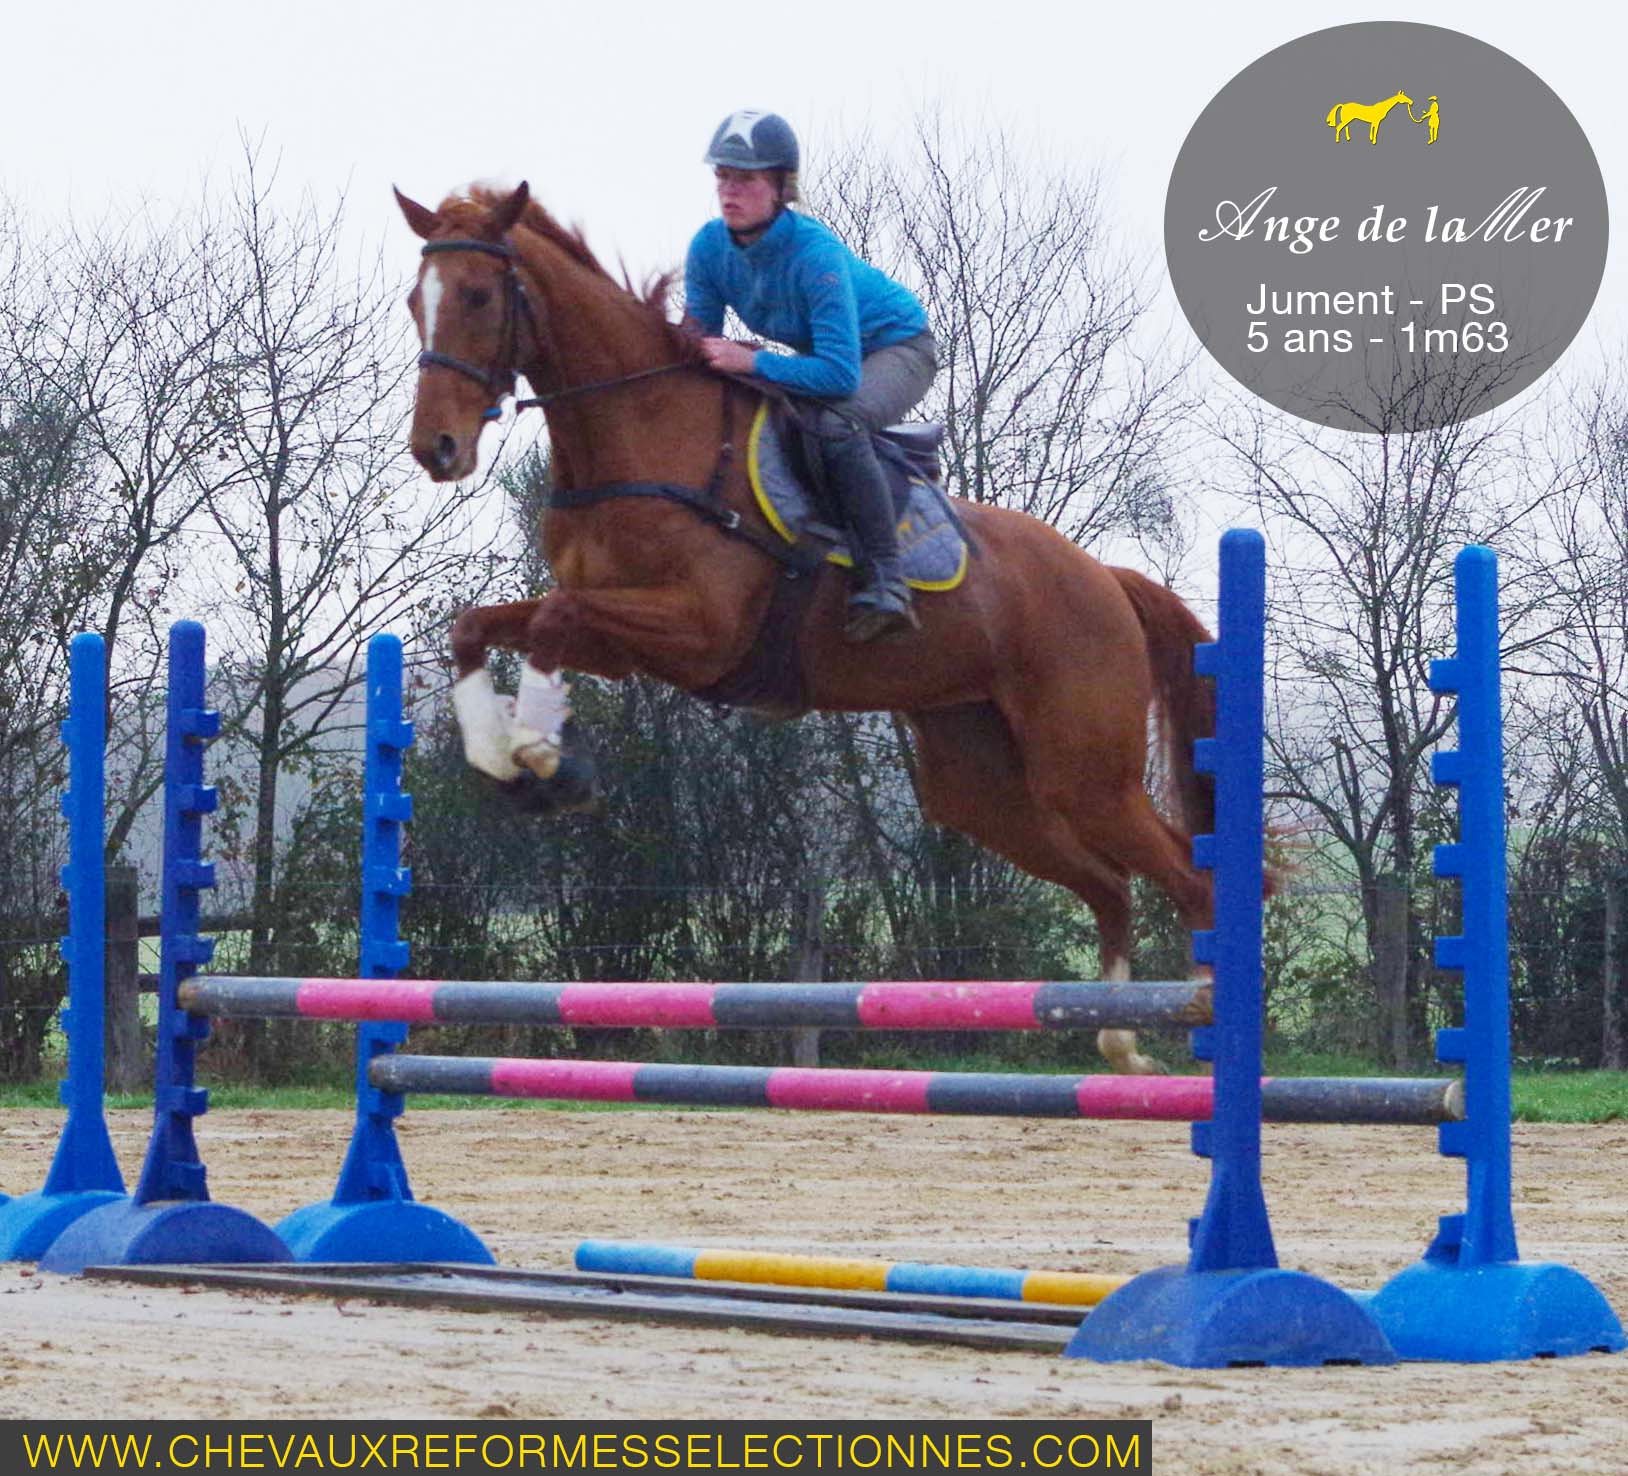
881, 606
868, 624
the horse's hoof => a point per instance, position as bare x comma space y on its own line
541, 760
573, 790
530, 750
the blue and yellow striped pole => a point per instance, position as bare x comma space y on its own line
843, 1273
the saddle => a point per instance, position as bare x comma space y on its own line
786, 472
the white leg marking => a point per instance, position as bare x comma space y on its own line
540, 714
542, 705
1118, 1047
431, 287
484, 718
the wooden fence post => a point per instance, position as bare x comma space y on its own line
1613, 1056
805, 1040
126, 1061
1391, 968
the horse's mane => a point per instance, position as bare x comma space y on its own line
472, 209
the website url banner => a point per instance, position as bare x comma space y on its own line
1096, 1446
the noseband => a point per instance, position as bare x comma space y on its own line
499, 379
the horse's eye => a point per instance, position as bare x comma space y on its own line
477, 297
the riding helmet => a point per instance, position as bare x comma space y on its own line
751, 139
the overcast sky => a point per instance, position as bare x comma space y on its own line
607, 108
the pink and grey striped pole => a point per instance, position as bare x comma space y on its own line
981, 1094
924, 1005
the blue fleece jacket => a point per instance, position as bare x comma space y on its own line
799, 285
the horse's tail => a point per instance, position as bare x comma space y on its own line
1184, 703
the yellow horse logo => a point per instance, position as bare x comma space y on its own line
1342, 115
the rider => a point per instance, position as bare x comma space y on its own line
860, 339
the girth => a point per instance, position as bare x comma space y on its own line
767, 677
706, 503
798, 558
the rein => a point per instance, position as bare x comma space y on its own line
500, 380
537, 401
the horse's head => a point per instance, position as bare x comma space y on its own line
470, 311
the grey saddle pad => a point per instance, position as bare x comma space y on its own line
933, 550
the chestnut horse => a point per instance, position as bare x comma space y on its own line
1027, 689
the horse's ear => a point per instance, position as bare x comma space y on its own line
425, 222
508, 212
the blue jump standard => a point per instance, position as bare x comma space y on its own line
372, 1207
171, 1217
84, 1175
1472, 1299
1231, 1303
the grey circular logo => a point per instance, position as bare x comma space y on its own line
1386, 227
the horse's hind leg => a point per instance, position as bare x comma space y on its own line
1150, 846
1084, 758
970, 777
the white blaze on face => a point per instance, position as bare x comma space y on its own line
431, 286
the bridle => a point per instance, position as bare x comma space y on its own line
795, 560
500, 378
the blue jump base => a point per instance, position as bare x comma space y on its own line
1502, 1310
31, 1222
163, 1232
355, 1232
1228, 1319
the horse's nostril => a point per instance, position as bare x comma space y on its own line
446, 451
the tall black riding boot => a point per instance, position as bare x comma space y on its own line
879, 603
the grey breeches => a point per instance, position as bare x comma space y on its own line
892, 382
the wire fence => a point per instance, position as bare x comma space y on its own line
1326, 988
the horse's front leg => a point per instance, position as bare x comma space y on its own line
497, 739
608, 631
484, 718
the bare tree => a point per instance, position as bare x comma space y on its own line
1566, 888
1364, 532
1057, 397
118, 329
1583, 575
1579, 644
322, 530
52, 562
